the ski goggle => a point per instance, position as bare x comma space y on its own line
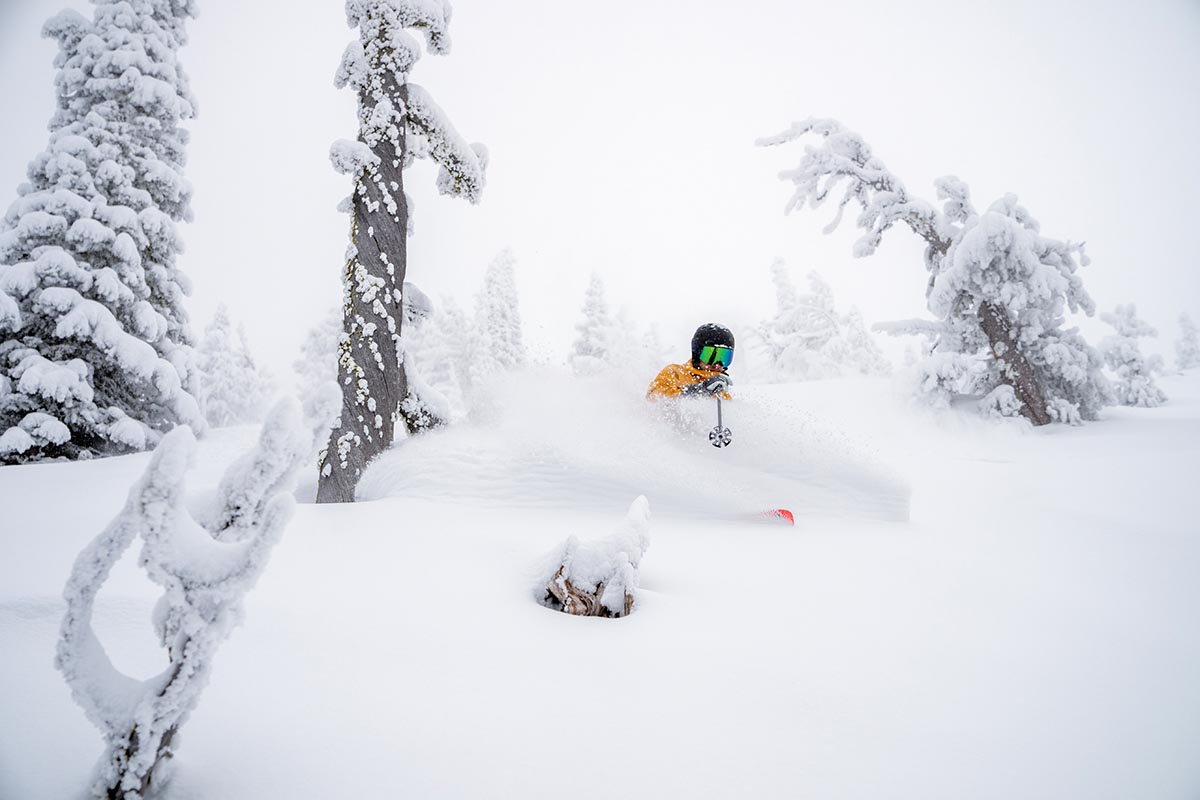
714, 354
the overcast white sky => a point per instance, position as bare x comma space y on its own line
621, 138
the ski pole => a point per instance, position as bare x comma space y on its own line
720, 436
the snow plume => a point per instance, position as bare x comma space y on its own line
88, 249
807, 339
1135, 384
997, 287
205, 569
598, 578
1187, 346
555, 440
398, 122
234, 388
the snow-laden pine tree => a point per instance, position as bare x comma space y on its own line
595, 331
398, 122
93, 354
999, 290
807, 339
499, 346
204, 566
1187, 346
235, 389
863, 353
1134, 385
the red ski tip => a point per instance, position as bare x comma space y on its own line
781, 514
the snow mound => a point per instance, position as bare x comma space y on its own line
552, 440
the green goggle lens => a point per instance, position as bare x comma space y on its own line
712, 354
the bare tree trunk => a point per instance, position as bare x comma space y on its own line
370, 371
1018, 372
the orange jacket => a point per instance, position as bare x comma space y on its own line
674, 378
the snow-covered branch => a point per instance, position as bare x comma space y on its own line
204, 571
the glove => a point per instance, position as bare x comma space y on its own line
716, 384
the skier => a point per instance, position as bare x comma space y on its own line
706, 373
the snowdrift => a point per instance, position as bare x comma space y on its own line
551, 440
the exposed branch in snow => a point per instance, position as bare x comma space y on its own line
599, 578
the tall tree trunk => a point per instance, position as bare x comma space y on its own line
1018, 372
370, 371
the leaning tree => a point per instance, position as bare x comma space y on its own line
398, 122
998, 289
94, 339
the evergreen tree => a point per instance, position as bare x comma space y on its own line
398, 121
317, 365
235, 389
998, 288
442, 349
807, 339
500, 345
1135, 372
1187, 346
94, 357
595, 331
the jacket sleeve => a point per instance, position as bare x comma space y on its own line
666, 384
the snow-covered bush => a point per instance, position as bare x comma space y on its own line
234, 388
807, 339
595, 332
998, 289
205, 567
598, 578
1187, 346
500, 345
397, 122
1135, 384
95, 336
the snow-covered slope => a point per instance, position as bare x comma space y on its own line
1022, 626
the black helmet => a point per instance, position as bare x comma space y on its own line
710, 333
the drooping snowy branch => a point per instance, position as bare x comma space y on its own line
462, 165
204, 569
844, 162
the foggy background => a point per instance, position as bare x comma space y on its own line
621, 138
